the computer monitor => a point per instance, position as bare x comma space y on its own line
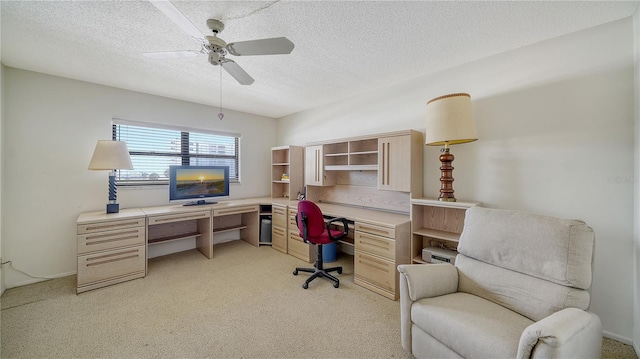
198, 183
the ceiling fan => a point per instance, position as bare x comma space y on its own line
217, 49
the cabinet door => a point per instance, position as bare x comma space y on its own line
314, 167
394, 163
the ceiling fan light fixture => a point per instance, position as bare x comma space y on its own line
214, 58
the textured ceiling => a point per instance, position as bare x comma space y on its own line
342, 48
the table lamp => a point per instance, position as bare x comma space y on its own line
449, 122
112, 156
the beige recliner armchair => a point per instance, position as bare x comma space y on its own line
519, 289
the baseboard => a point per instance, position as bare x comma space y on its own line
619, 338
37, 280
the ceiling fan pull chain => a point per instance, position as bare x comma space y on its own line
220, 114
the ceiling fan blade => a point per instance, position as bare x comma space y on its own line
273, 46
167, 8
172, 54
236, 72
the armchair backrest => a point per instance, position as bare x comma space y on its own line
532, 264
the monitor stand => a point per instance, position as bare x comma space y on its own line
197, 203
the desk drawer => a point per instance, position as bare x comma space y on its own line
375, 270
234, 210
169, 218
377, 245
109, 240
279, 216
110, 225
292, 221
375, 229
297, 248
108, 265
279, 239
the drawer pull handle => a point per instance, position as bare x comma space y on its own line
109, 226
158, 220
109, 258
372, 229
375, 264
93, 240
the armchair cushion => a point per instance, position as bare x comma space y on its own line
469, 325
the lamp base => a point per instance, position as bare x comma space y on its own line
446, 177
113, 207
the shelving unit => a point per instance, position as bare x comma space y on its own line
436, 224
289, 161
351, 155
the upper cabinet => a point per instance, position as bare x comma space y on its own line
400, 163
287, 163
314, 169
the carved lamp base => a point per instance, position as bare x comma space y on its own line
446, 176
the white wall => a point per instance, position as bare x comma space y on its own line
51, 126
636, 309
555, 122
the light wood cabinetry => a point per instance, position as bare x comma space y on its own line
111, 248
295, 245
245, 219
436, 224
398, 166
175, 223
379, 249
356, 170
314, 171
279, 227
287, 176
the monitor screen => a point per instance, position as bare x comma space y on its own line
198, 183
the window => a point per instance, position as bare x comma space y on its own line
153, 148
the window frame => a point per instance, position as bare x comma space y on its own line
183, 155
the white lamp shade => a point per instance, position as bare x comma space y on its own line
450, 120
111, 155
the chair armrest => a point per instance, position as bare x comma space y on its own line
429, 280
568, 332
344, 233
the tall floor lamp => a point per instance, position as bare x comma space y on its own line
112, 156
449, 122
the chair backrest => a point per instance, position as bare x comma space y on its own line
314, 220
532, 264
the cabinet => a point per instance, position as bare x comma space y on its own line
379, 249
111, 248
314, 170
287, 166
394, 165
279, 227
295, 245
436, 224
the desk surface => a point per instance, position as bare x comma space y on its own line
352, 213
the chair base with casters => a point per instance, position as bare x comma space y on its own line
319, 271
314, 230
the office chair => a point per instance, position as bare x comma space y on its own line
314, 230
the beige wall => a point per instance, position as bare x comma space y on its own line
555, 121
51, 126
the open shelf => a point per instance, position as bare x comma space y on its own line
437, 234
173, 238
229, 228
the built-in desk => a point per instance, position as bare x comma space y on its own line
381, 241
113, 247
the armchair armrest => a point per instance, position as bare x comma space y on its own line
571, 332
429, 280
422, 281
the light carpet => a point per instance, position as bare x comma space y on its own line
243, 303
